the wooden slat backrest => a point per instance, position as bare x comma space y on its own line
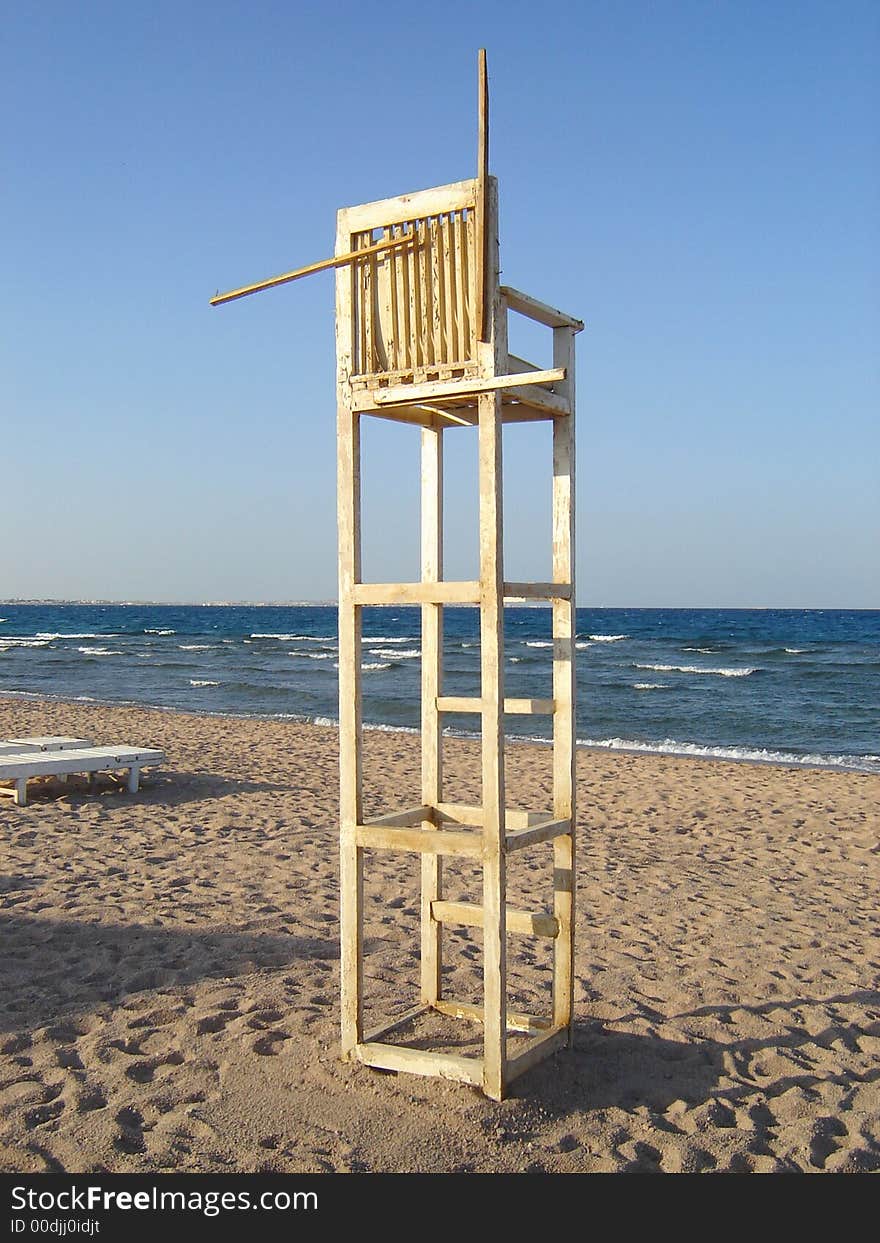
413, 308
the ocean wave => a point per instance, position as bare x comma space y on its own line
313, 655
754, 755
539, 642
705, 650
384, 638
395, 654
584, 643
371, 665
195, 647
721, 673
869, 763
155, 630
796, 651
201, 682
86, 634
98, 651
607, 638
298, 638
6, 644
650, 686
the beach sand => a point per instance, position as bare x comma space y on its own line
169, 973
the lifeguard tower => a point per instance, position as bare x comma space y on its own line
421, 339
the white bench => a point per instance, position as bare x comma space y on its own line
89, 760
49, 742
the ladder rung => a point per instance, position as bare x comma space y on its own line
537, 591
406, 818
420, 1061
379, 1033
465, 813
515, 1022
422, 841
537, 924
515, 707
536, 1050
544, 832
416, 593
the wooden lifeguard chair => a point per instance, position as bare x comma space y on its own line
421, 339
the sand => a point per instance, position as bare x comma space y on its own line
168, 980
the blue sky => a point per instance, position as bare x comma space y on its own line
698, 181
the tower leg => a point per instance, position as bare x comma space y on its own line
432, 673
564, 630
351, 871
492, 695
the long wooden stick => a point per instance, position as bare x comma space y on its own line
336, 261
481, 261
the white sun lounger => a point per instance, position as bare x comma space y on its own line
20, 767
50, 742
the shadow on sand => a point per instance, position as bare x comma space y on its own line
52, 969
167, 789
607, 1068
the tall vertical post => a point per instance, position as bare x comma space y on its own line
492, 696
351, 880
432, 674
351, 865
564, 630
493, 360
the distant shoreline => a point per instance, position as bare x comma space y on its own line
518, 603
630, 748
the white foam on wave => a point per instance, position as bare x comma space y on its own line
201, 682
195, 647
155, 630
607, 638
313, 655
705, 650
6, 644
371, 665
98, 651
384, 638
752, 755
796, 651
721, 673
650, 686
584, 643
297, 638
86, 634
539, 642
396, 654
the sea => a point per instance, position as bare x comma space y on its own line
777, 685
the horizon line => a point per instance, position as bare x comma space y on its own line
333, 603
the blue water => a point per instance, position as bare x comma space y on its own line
772, 684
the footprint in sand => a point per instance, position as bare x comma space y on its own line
131, 1131
91, 1098
213, 1023
268, 1044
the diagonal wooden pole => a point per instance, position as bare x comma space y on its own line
481, 247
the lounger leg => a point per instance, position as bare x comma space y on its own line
21, 792
133, 777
